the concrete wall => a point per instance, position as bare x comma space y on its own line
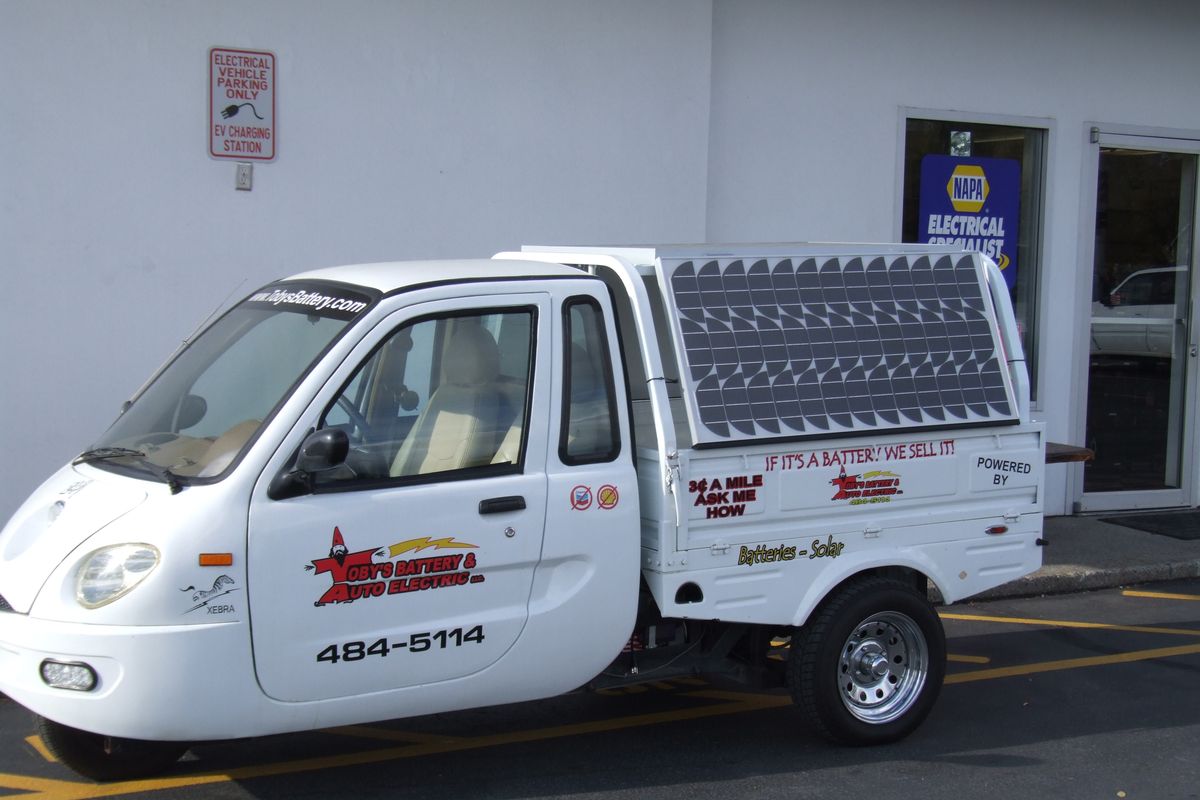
405, 129
808, 110
411, 129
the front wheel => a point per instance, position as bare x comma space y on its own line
869, 664
106, 758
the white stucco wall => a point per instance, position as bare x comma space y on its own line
412, 129
807, 126
407, 129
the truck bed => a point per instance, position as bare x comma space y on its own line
844, 410
752, 526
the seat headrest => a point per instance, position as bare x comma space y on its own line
472, 357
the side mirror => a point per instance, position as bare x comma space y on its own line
321, 450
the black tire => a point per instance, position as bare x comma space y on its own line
868, 666
107, 758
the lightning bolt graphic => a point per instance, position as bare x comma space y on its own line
417, 545
879, 473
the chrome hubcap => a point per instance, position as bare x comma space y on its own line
883, 667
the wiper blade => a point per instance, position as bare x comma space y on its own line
101, 453
104, 453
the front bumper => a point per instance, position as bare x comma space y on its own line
179, 682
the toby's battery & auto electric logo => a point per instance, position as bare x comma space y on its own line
875, 486
372, 572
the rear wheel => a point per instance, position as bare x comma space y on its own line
868, 666
106, 758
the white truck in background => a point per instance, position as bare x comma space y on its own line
390, 490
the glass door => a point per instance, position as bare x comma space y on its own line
1142, 357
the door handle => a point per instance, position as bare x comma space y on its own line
498, 505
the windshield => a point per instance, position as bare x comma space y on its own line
199, 413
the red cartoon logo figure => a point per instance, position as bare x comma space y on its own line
844, 483
339, 565
338, 551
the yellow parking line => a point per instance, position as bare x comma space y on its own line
418, 745
45, 789
1160, 595
731, 703
37, 787
1071, 663
1060, 623
36, 743
957, 659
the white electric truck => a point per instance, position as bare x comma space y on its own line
390, 490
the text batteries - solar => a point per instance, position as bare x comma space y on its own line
794, 347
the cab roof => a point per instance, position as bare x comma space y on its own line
391, 276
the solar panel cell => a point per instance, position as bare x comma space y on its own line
792, 347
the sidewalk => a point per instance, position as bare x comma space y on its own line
1085, 553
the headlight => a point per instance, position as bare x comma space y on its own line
110, 572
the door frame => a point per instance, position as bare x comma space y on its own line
1158, 140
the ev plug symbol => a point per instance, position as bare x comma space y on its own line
231, 111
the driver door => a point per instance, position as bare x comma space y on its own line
411, 563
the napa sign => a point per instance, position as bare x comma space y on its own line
974, 203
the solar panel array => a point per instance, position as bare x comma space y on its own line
791, 347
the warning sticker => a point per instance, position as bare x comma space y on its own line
241, 113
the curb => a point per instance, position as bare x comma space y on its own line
1066, 580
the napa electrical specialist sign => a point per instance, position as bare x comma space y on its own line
241, 110
974, 203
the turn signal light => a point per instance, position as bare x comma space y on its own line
997, 529
216, 559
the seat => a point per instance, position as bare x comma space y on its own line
226, 446
466, 417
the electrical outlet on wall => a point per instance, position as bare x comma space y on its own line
244, 179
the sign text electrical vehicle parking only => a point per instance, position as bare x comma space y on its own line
241, 113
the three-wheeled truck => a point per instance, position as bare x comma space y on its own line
390, 490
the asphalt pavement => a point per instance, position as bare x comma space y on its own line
1086, 552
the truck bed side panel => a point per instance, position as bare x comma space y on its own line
761, 525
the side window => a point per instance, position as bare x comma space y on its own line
440, 395
589, 431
